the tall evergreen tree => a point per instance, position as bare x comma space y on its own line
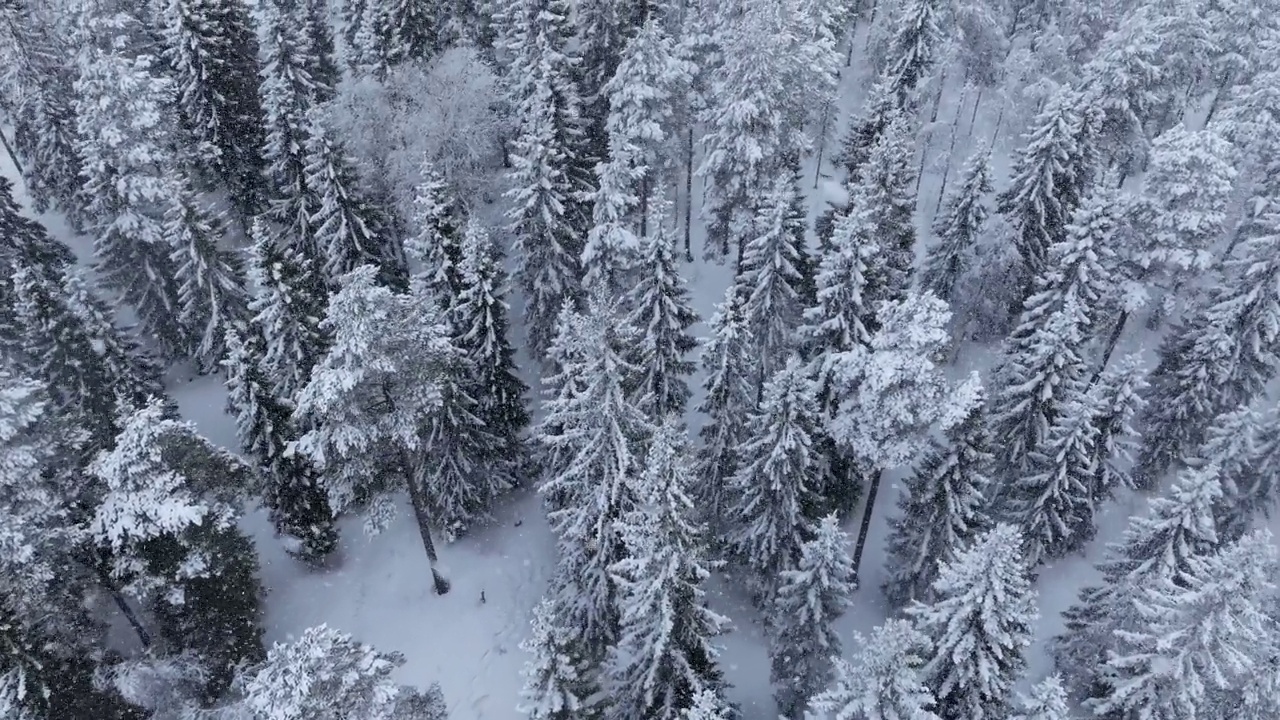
839, 320
133, 374
297, 504
885, 198
878, 109
597, 429
773, 512
943, 507
660, 310
437, 241
392, 32
915, 46
1047, 701
810, 598
729, 397
1117, 399
665, 654
603, 29
886, 679
958, 228
981, 625
213, 55
557, 684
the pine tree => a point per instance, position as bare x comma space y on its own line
287, 310
958, 228
596, 429
386, 382
1050, 174
133, 374
943, 507
1047, 701
480, 324
437, 243
557, 686
1156, 549
547, 216
29, 243
664, 654
772, 515
886, 680
167, 518
297, 505
810, 598
212, 53
915, 46
885, 198
660, 310
981, 624
124, 135
349, 228
1194, 642
770, 277
1117, 398
1220, 358
211, 280
729, 396
392, 32
708, 705
878, 109
603, 30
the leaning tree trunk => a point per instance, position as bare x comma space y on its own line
17, 164
98, 566
423, 516
688, 194
1112, 341
873, 487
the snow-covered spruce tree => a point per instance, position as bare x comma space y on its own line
597, 430
886, 679
59, 352
612, 242
436, 245
1156, 549
878, 110
326, 674
167, 519
729, 397
28, 243
211, 279
810, 598
287, 309
288, 89
775, 506
890, 393
769, 275
1054, 502
603, 29
1194, 642
392, 32
915, 46
213, 56
1047, 701
885, 196
388, 376
480, 328
665, 653
557, 684
980, 625
125, 135
958, 228
1050, 175
133, 374
1117, 398
708, 705
549, 175
348, 227
1039, 374
1219, 358
943, 507
660, 310
291, 490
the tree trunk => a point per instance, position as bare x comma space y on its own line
4, 140
688, 194
873, 487
946, 171
1217, 98
1112, 341
871, 21
96, 564
644, 207
421, 514
973, 116
999, 122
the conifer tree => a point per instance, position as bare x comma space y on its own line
981, 625
708, 705
392, 32
374, 404
29, 243
349, 228
212, 53
914, 47
885, 197
943, 507
1156, 549
1219, 358
480, 325
125, 136
1117, 399
1047, 701
437, 242
1191, 643
167, 518
211, 290
810, 598
878, 109
958, 228
1050, 174
549, 177
603, 30
133, 374
729, 397
298, 507
665, 653
886, 680
660, 310
557, 685
774, 503
287, 310
597, 430
840, 319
